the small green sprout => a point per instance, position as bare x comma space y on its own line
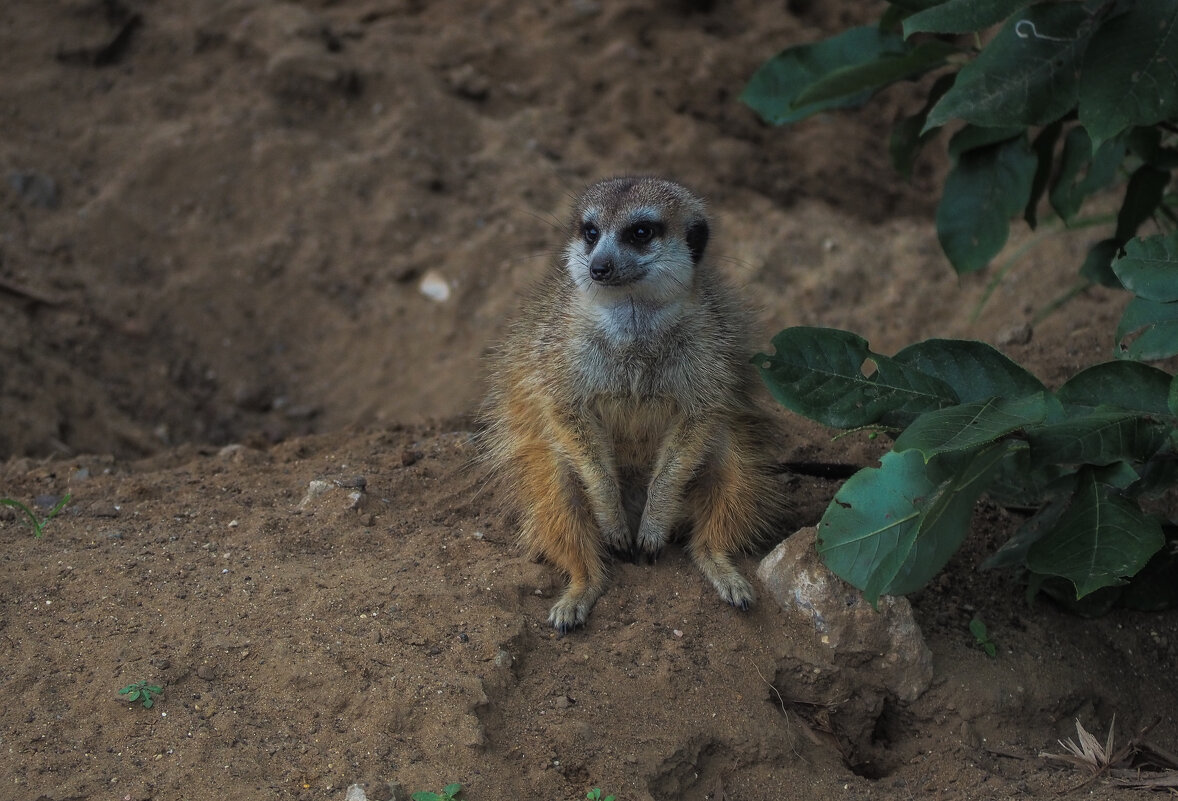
449, 793
31, 518
595, 795
141, 690
978, 629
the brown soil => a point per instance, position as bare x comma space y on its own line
217, 221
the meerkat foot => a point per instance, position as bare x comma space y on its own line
731, 586
572, 610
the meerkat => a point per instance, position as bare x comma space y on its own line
621, 406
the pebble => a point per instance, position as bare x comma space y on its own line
356, 793
35, 188
434, 286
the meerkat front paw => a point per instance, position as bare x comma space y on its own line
619, 540
651, 539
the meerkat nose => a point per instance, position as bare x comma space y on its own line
602, 269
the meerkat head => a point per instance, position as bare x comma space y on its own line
636, 239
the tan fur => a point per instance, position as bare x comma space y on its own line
620, 409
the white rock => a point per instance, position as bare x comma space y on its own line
886, 645
356, 793
434, 286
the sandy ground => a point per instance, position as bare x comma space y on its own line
219, 219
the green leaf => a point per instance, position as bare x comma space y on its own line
974, 370
1098, 264
961, 16
134, 696
908, 135
984, 190
1142, 197
1125, 385
452, 789
426, 796
972, 137
1044, 149
1148, 330
1100, 539
1146, 144
1026, 75
1082, 172
147, 702
978, 629
1097, 438
1149, 267
774, 88
889, 67
1129, 74
970, 425
890, 529
818, 372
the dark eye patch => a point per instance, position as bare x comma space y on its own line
643, 231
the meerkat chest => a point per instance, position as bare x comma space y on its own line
636, 428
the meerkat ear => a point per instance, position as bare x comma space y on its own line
697, 239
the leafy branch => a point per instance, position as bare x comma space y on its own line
1063, 101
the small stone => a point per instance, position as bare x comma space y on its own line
35, 188
434, 286
1016, 335
356, 793
409, 457
315, 489
354, 482
502, 658
563, 702
206, 672
397, 792
467, 82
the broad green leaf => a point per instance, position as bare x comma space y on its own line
961, 16
969, 426
1129, 74
908, 135
974, 370
1149, 267
1044, 149
1132, 386
1099, 438
890, 529
1026, 75
818, 372
1142, 197
1098, 541
1082, 172
853, 80
1148, 330
1146, 144
773, 89
1013, 552
983, 191
1098, 264
971, 137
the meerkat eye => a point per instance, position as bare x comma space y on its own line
642, 232
590, 233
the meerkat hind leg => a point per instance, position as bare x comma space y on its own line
563, 529
725, 513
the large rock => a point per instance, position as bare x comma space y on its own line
885, 647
